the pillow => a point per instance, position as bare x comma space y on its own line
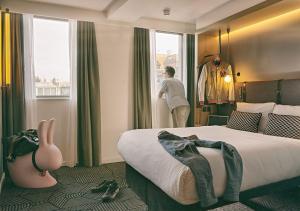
284, 126
287, 110
244, 121
264, 108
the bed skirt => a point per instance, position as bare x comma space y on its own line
154, 197
157, 200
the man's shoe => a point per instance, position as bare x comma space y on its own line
102, 187
111, 192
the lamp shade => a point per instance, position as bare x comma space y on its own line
227, 78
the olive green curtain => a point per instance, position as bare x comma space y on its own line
88, 97
13, 95
190, 49
141, 71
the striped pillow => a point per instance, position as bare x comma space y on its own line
245, 121
283, 125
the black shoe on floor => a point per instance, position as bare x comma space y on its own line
111, 192
102, 187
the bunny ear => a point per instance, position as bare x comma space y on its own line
50, 131
42, 132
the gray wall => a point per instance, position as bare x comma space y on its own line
268, 50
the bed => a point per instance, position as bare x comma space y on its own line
269, 162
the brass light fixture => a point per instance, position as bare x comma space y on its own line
5, 52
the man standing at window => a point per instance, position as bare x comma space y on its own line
175, 95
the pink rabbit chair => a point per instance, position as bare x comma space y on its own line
31, 170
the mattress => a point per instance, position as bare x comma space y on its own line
266, 159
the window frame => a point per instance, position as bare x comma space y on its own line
50, 97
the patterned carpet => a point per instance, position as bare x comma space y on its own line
73, 193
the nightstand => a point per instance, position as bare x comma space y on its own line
217, 120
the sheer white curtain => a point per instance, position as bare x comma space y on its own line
30, 100
67, 141
184, 63
71, 133
161, 116
153, 78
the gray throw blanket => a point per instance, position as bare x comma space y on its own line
185, 150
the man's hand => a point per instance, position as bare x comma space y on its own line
160, 94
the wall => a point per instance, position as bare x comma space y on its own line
115, 46
116, 49
207, 45
267, 50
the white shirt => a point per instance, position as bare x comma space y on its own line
175, 94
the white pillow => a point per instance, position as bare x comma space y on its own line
264, 108
287, 110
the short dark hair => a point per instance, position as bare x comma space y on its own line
170, 70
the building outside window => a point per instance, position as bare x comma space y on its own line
51, 57
168, 47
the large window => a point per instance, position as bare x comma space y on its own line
168, 53
51, 57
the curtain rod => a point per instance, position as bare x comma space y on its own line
38, 16
41, 16
168, 32
6, 10
51, 18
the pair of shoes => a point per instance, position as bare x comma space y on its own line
111, 192
110, 187
102, 186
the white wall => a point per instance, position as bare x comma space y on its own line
115, 57
115, 49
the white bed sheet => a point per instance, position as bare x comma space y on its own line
266, 159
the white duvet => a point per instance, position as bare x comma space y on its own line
266, 159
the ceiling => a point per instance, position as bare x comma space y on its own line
98, 5
181, 10
199, 12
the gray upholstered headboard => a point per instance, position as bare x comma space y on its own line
286, 92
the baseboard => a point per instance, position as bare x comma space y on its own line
2, 181
104, 161
112, 160
68, 163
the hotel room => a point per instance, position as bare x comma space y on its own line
159, 105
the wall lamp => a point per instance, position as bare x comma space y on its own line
228, 77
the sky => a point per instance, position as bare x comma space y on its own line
167, 42
51, 49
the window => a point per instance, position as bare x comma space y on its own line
51, 57
168, 47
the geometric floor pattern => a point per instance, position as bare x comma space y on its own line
73, 193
